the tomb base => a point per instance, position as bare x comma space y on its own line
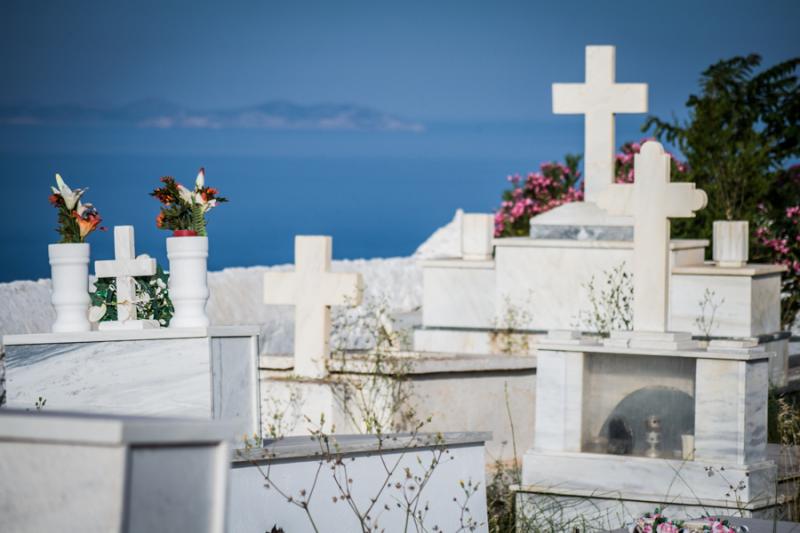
634, 428
207, 373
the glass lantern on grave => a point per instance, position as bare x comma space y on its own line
639, 405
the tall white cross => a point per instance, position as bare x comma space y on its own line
652, 200
599, 98
124, 268
312, 289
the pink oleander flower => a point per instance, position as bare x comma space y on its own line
667, 527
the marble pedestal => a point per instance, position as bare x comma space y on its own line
207, 373
93, 473
582, 384
742, 303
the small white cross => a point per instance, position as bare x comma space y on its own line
124, 268
652, 200
599, 98
312, 289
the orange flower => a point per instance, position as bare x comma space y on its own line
54, 199
160, 220
88, 222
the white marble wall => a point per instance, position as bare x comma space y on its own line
731, 411
747, 304
200, 376
458, 294
559, 401
548, 278
294, 465
73, 472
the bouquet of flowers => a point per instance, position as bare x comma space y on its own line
658, 523
76, 220
553, 185
184, 211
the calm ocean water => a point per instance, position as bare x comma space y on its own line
378, 195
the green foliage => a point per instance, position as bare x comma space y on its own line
153, 302
742, 127
198, 220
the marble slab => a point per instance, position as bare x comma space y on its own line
294, 466
77, 472
628, 478
549, 278
188, 375
458, 296
745, 301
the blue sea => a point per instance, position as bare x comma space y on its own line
379, 194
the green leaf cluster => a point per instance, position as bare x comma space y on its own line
742, 128
153, 302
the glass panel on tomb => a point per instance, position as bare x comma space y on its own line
638, 405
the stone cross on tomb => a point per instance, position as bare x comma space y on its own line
598, 99
652, 200
124, 268
312, 289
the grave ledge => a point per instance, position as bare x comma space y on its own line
710, 269
457, 262
349, 445
129, 335
696, 354
657, 499
527, 242
418, 362
107, 430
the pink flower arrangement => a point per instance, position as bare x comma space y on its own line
777, 239
658, 523
556, 184
553, 185
623, 164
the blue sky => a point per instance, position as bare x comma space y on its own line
454, 61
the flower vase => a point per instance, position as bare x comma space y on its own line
69, 266
188, 281
731, 243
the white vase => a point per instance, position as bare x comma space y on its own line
69, 267
188, 281
731, 241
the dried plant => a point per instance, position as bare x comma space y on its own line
508, 334
610, 303
706, 321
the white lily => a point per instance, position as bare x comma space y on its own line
70, 197
200, 182
186, 194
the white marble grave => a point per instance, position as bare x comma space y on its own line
124, 268
647, 415
209, 373
92, 473
312, 289
293, 468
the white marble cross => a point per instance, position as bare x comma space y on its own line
312, 289
652, 200
124, 268
599, 98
